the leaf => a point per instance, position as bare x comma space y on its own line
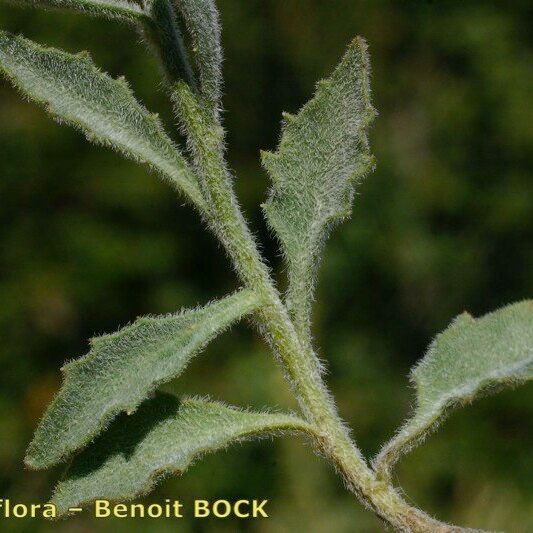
322, 154
76, 92
164, 436
202, 22
470, 358
122, 369
156, 19
121, 9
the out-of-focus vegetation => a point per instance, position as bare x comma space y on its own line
89, 241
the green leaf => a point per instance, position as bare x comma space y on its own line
322, 154
121, 9
471, 358
122, 369
201, 20
76, 92
164, 436
156, 19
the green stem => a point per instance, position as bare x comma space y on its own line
301, 365
304, 377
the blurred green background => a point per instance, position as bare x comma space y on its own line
89, 241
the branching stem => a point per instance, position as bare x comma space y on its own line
298, 360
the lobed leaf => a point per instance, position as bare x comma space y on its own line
76, 92
470, 358
322, 154
201, 20
122, 369
164, 436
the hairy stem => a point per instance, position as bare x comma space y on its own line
299, 361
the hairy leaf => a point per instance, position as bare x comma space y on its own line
76, 92
322, 154
156, 19
122, 369
121, 9
202, 22
470, 358
164, 436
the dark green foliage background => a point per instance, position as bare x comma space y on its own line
89, 241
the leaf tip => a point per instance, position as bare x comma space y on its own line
360, 42
32, 462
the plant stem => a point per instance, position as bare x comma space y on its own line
299, 361
305, 379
